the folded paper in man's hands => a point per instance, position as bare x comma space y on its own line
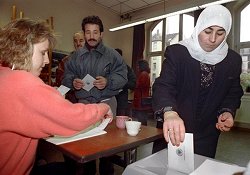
88, 82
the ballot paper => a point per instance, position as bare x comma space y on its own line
63, 89
88, 82
217, 168
94, 131
181, 158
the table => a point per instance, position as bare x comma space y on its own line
114, 141
156, 164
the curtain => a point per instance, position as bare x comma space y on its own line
138, 45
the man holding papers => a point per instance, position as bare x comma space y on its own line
96, 66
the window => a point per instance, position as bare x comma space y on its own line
188, 26
156, 38
245, 54
172, 30
244, 44
155, 64
244, 24
164, 33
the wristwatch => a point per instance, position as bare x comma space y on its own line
167, 109
160, 113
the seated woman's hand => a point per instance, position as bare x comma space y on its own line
173, 128
109, 115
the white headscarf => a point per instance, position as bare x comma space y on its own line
216, 15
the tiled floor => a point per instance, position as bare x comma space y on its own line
233, 147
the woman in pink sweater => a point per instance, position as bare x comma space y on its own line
30, 109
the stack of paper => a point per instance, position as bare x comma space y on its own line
99, 130
63, 89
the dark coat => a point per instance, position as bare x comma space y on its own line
179, 84
122, 97
101, 61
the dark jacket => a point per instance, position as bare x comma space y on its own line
122, 97
102, 61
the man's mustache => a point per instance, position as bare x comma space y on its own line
92, 40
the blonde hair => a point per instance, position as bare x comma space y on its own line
17, 40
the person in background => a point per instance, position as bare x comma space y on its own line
99, 61
142, 92
199, 89
29, 108
122, 97
78, 41
106, 66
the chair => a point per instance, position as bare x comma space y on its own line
142, 108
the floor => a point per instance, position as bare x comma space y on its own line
233, 147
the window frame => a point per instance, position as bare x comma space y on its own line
149, 52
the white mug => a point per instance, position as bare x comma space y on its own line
133, 127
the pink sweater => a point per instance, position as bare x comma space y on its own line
29, 110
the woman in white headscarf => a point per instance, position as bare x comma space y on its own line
199, 89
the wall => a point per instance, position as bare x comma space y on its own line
242, 118
68, 15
